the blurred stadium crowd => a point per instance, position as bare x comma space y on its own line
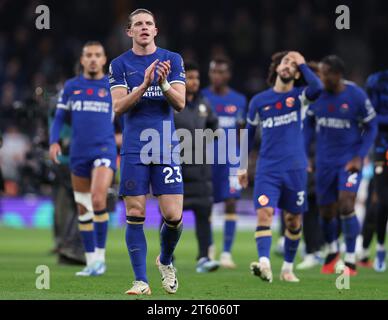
35, 63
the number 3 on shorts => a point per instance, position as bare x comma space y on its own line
170, 171
300, 200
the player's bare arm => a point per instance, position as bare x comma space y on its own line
55, 151
123, 101
175, 93
242, 175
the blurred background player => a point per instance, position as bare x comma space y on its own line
86, 100
67, 238
370, 217
344, 123
312, 234
281, 171
377, 89
197, 178
230, 107
147, 83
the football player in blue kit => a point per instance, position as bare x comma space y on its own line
147, 85
343, 121
86, 102
377, 89
281, 169
230, 107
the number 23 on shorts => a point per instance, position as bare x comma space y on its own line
169, 172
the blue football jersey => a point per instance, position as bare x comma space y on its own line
338, 124
153, 110
230, 108
377, 90
280, 117
90, 106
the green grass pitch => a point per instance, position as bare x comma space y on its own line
21, 251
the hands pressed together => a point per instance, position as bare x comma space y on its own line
162, 68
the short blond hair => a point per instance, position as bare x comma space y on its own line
136, 12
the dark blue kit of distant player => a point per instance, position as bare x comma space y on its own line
281, 168
281, 174
231, 109
341, 122
152, 117
377, 89
87, 104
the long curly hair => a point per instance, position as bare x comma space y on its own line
276, 59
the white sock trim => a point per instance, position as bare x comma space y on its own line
265, 261
90, 258
333, 247
86, 217
364, 253
350, 257
287, 266
100, 254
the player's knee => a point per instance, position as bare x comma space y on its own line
135, 210
171, 210
172, 215
346, 208
327, 212
230, 206
346, 204
98, 201
265, 216
292, 222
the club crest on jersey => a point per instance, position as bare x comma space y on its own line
344, 107
230, 109
77, 92
331, 108
263, 200
89, 92
278, 105
290, 102
102, 93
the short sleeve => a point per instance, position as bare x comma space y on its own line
117, 75
242, 112
366, 109
63, 97
177, 74
372, 91
304, 101
253, 116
